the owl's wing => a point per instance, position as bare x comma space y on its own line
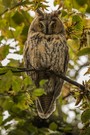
27, 61
66, 59
26, 55
46, 104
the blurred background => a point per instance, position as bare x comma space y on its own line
17, 109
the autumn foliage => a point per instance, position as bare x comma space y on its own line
18, 113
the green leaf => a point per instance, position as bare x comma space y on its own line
3, 70
53, 126
4, 50
1, 119
16, 83
1, 8
85, 116
23, 101
14, 63
57, 2
27, 81
68, 4
5, 82
42, 82
18, 18
78, 21
7, 3
1, 38
74, 44
67, 128
17, 132
84, 51
86, 131
38, 92
7, 104
64, 13
18, 31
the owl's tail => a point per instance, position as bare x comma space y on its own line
46, 105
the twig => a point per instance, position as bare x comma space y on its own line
6, 10
60, 75
82, 87
16, 5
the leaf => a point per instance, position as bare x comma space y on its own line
18, 18
68, 4
23, 101
7, 3
3, 70
42, 82
14, 63
1, 8
85, 116
4, 50
53, 126
7, 104
17, 132
18, 31
67, 128
57, 2
74, 44
86, 131
27, 81
84, 51
5, 82
1, 119
78, 22
25, 30
1, 38
16, 83
38, 92
64, 13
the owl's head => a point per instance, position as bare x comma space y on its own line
47, 23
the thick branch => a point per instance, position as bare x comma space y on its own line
60, 75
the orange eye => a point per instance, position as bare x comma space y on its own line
53, 25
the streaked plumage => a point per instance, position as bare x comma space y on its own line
46, 48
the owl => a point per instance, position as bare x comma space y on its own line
46, 49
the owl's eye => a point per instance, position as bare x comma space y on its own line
53, 24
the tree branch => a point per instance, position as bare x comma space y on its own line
60, 75
14, 6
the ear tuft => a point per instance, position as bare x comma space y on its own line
56, 13
39, 12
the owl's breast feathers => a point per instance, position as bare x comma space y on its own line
46, 52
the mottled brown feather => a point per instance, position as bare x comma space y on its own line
46, 51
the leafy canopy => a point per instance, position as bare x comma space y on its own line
17, 91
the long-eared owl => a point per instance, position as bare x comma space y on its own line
46, 48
